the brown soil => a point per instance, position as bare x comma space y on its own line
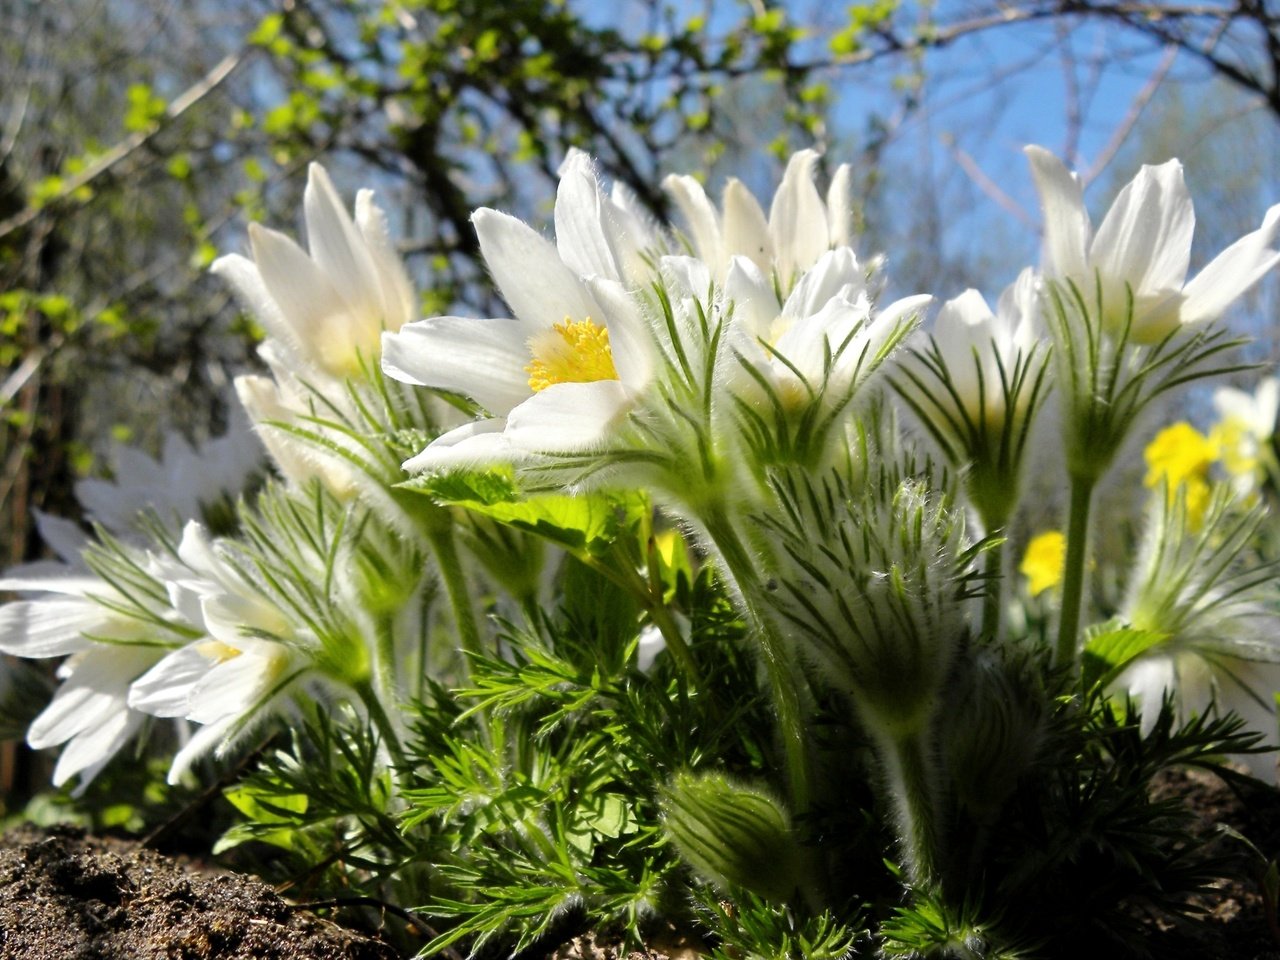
64, 896
1235, 924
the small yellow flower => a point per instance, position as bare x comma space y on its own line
1177, 453
1042, 563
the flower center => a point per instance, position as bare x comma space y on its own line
218, 651
576, 351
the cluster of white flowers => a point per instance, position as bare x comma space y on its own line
700, 365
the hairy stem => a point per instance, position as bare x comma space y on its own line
783, 679
382, 721
1066, 653
915, 797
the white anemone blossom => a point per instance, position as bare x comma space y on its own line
175, 486
109, 641
1213, 617
1246, 431
800, 228
1143, 245
982, 349
327, 309
231, 675
565, 369
823, 338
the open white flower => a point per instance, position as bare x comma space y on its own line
178, 484
564, 370
69, 611
817, 346
800, 228
328, 308
1143, 246
228, 678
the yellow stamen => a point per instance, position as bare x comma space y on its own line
218, 651
576, 351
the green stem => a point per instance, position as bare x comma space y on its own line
916, 798
384, 660
455, 585
993, 599
670, 631
783, 680
1066, 652
381, 720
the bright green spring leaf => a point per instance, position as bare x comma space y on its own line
1110, 647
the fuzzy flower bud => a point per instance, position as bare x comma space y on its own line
732, 835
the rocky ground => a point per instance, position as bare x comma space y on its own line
65, 896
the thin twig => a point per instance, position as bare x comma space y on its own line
130, 144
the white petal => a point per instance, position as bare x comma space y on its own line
1066, 224
965, 326
90, 750
1232, 272
798, 218
481, 359
397, 291
568, 417
63, 537
317, 315
48, 628
630, 341
632, 236
338, 248
755, 306
840, 208
165, 689
231, 688
245, 277
835, 272
1145, 237
1147, 680
701, 219
687, 276
540, 289
746, 231
95, 690
203, 742
478, 444
581, 238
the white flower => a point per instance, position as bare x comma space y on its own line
800, 227
71, 611
565, 369
1212, 612
1245, 687
327, 309
1143, 245
177, 485
982, 349
1246, 430
230, 676
822, 341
